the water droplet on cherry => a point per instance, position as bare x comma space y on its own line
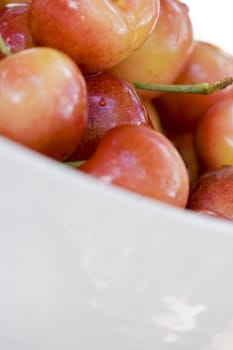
102, 102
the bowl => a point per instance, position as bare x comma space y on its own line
85, 266
92, 267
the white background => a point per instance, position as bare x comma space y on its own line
212, 21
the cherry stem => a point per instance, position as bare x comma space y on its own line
3, 47
202, 89
75, 164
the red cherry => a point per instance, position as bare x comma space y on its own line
111, 102
211, 213
208, 63
14, 28
141, 160
43, 101
214, 192
214, 135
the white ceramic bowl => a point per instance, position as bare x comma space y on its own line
88, 267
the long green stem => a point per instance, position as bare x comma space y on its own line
3, 47
203, 88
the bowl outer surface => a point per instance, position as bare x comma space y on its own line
86, 266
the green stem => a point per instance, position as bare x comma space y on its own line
75, 164
203, 88
3, 47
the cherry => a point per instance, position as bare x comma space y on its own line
43, 101
97, 34
111, 102
141, 160
214, 135
165, 53
184, 142
14, 28
214, 192
211, 213
207, 63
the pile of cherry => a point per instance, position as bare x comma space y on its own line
79, 83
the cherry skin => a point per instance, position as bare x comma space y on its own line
214, 136
97, 34
14, 28
208, 63
211, 213
153, 113
43, 101
214, 192
184, 143
4, 3
164, 54
111, 102
141, 160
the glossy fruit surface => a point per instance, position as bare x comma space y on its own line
111, 102
152, 112
214, 192
97, 34
208, 63
4, 3
73, 97
14, 28
43, 101
214, 135
164, 54
184, 143
141, 160
211, 213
